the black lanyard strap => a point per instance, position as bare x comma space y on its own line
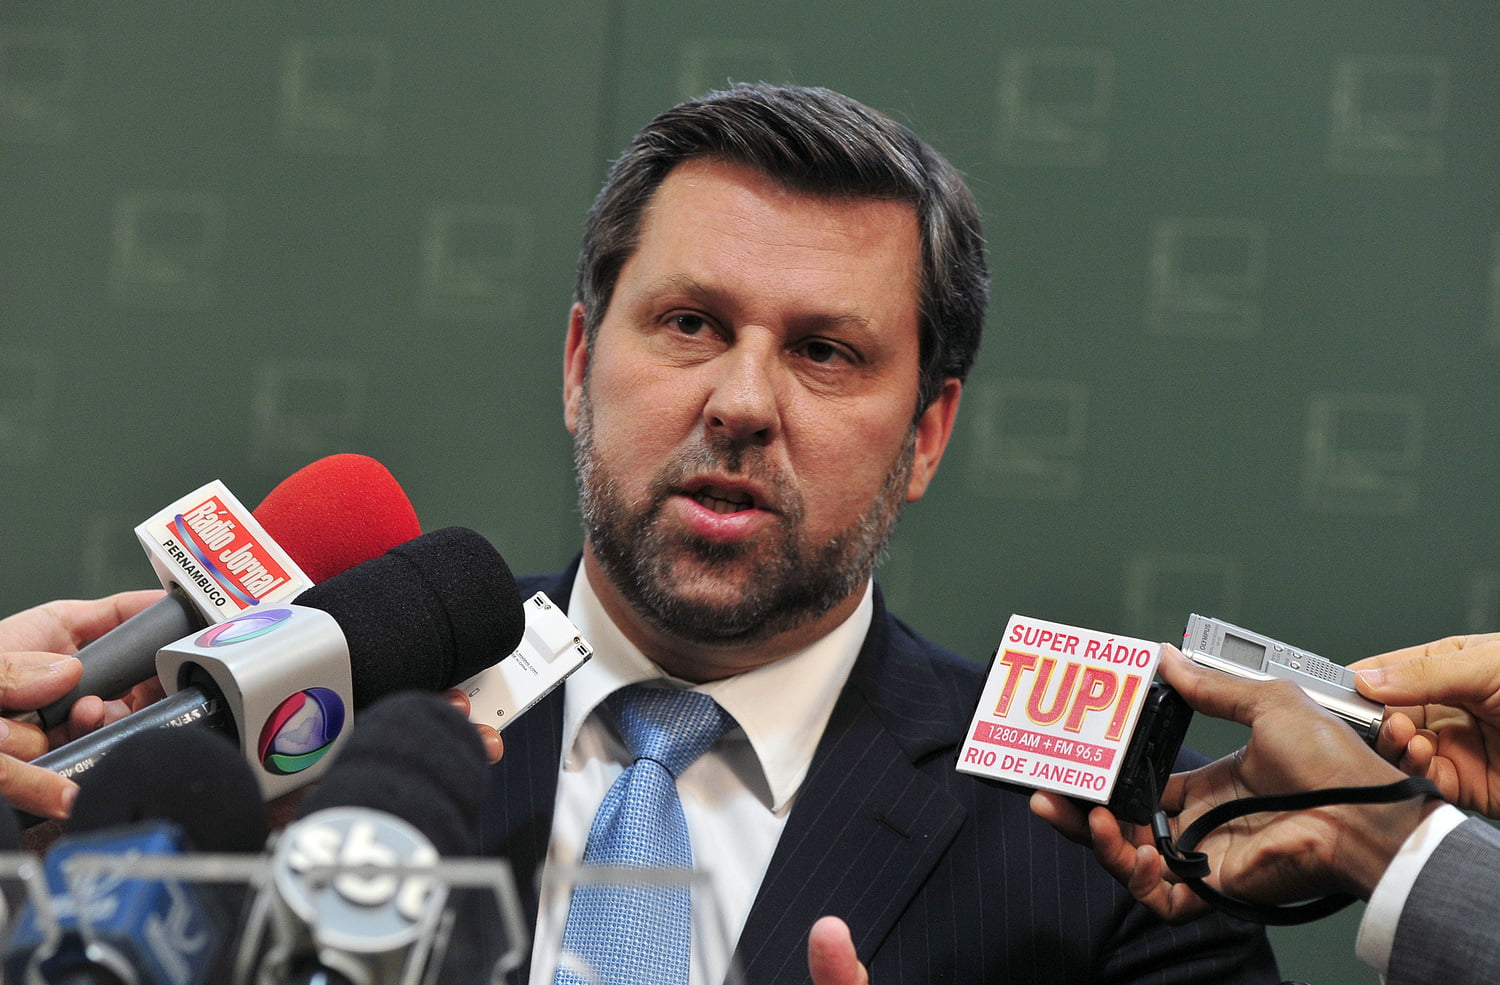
1192, 866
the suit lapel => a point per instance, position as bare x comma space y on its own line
867, 826
517, 821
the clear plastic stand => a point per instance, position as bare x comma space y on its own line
469, 917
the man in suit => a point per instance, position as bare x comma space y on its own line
1431, 873
779, 296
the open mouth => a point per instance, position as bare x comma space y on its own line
723, 500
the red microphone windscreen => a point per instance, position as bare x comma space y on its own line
337, 512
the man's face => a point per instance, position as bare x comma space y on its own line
744, 419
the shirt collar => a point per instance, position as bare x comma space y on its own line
782, 707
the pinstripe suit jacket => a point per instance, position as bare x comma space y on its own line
942, 877
1449, 930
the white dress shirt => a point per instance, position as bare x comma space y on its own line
1377, 928
736, 798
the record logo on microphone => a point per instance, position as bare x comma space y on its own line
300, 731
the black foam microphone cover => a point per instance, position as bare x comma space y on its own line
426, 615
414, 756
10, 830
198, 779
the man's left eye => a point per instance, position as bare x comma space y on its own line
822, 352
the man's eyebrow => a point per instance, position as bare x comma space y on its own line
686, 286
848, 320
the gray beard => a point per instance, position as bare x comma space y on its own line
795, 584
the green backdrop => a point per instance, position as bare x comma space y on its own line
1241, 359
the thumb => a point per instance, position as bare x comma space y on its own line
830, 954
1461, 677
33, 679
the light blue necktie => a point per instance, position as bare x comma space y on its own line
641, 934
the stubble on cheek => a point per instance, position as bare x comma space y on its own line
684, 584
711, 592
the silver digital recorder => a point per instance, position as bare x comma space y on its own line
1224, 646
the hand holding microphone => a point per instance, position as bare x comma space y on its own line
323, 519
425, 615
328, 516
66, 625
36, 668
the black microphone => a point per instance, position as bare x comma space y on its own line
10, 841
10, 836
115, 927
407, 788
412, 754
426, 615
194, 779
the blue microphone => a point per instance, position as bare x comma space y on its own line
100, 924
109, 927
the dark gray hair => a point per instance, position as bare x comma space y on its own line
821, 142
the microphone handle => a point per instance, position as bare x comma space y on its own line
106, 669
192, 707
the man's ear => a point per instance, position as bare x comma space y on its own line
575, 366
934, 428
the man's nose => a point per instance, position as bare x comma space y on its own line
744, 404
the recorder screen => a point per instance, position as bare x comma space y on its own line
1249, 655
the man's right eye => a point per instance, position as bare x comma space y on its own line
688, 324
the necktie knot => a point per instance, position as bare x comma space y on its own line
668, 726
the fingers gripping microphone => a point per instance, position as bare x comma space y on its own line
218, 562
282, 682
107, 925
406, 789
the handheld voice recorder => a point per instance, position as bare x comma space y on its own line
1224, 646
550, 650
